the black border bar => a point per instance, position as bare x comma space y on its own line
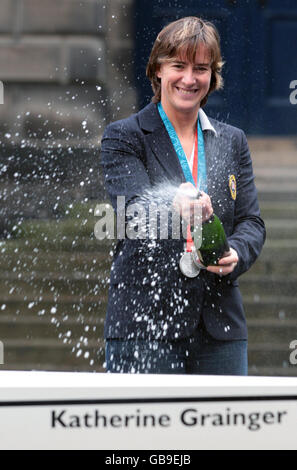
122, 401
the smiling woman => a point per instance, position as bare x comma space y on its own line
188, 38
184, 83
158, 319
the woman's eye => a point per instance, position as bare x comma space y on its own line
202, 69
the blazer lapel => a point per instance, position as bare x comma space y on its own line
160, 142
211, 158
163, 149
218, 154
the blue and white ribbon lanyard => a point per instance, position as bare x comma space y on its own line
199, 180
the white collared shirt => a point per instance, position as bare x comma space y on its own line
205, 123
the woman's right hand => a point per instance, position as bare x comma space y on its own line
188, 206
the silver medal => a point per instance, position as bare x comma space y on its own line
187, 265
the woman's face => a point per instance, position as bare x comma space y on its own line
184, 84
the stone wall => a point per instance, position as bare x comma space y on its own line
67, 71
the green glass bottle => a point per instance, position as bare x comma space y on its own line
210, 240
214, 241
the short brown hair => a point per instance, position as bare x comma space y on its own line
185, 35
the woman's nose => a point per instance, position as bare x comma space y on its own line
188, 77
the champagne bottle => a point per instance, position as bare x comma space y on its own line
214, 241
210, 240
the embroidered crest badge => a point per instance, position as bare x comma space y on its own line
232, 186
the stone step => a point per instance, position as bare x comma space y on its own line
277, 209
276, 183
85, 324
55, 352
68, 234
70, 330
49, 354
271, 151
21, 306
257, 305
277, 256
65, 327
281, 235
53, 355
72, 244
49, 260
272, 371
77, 283
268, 344
270, 191
84, 263
61, 366
272, 331
281, 229
83, 366
277, 176
263, 355
37, 284
40, 283
270, 307
255, 284
42, 260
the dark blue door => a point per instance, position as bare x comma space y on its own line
259, 47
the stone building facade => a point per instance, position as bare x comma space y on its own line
67, 70
64, 63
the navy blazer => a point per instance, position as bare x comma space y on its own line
149, 297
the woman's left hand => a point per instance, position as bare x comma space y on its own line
226, 264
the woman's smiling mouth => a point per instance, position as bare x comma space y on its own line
184, 91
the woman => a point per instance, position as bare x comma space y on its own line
158, 319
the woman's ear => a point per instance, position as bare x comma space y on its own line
158, 72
